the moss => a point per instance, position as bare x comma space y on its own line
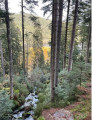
16, 91
82, 109
80, 117
41, 118
7, 89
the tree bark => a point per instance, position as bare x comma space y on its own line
9, 49
88, 45
2, 59
52, 51
82, 45
73, 36
57, 50
27, 53
66, 31
23, 39
56, 15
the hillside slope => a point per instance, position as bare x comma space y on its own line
30, 28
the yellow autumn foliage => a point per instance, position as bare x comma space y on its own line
31, 56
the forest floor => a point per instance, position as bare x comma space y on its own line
81, 109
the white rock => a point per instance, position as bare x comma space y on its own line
63, 115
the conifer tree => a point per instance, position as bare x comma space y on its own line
73, 36
23, 37
2, 59
9, 48
66, 31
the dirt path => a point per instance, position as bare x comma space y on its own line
81, 109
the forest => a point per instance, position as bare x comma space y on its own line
45, 62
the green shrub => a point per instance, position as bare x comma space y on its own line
5, 105
6, 83
38, 110
41, 118
21, 99
16, 103
44, 100
29, 86
66, 91
41, 97
20, 91
22, 87
36, 75
47, 81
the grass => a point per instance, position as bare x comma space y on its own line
82, 111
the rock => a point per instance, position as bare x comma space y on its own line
29, 118
63, 115
28, 108
29, 100
14, 119
18, 115
33, 94
25, 115
36, 93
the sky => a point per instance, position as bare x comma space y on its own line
14, 7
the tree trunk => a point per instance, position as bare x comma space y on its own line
88, 45
56, 15
52, 51
65, 42
2, 59
9, 49
57, 50
27, 54
82, 45
73, 36
23, 39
